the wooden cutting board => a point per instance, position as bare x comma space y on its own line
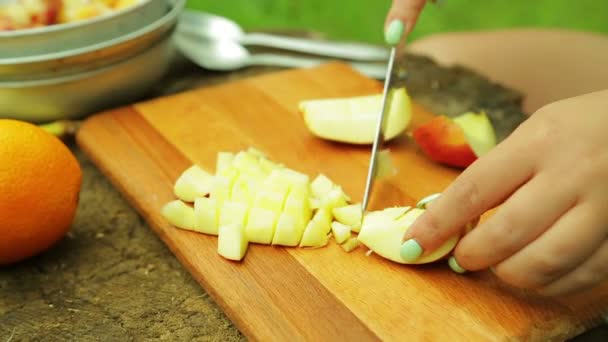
325, 294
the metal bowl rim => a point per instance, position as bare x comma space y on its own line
72, 25
176, 7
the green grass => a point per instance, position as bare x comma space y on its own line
362, 20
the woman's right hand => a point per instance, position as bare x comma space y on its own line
401, 19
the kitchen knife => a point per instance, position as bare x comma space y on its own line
380, 130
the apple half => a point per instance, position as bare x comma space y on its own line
354, 119
382, 232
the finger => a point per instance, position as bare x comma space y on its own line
567, 244
401, 19
591, 273
480, 187
524, 216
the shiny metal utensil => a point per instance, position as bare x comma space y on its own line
379, 138
205, 25
227, 55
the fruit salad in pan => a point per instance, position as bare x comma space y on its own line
24, 14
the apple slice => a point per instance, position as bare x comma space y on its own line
222, 187
383, 234
232, 242
224, 161
271, 199
179, 214
349, 215
354, 119
316, 232
478, 131
247, 163
192, 183
443, 141
206, 215
333, 199
350, 244
260, 226
233, 213
288, 232
297, 205
340, 231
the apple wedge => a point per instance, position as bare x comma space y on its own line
350, 244
233, 213
288, 232
349, 215
383, 234
317, 231
478, 131
232, 242
354, 119
179, 214
261, 225
192, 183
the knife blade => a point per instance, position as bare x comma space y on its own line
380, 130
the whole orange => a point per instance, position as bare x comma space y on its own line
40, 183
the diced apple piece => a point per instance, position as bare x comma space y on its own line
270, 199
334, 199
298, 206
292, 178
206, 215
383, 235
232, 242
340, 231
256, 153
233, 213
478, 131
350, 244
261, 225
222, 187
192, 183
350, 215
354, 119
316, 232
288, 231
179, 214
248, 163
243, 190
224, 160
315, 203
321, 185
268, 166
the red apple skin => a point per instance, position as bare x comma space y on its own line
443, 141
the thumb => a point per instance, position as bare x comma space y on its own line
401, 18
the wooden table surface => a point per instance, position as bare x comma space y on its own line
111, 278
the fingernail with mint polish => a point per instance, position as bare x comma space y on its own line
455, 266
411, 251
394, 32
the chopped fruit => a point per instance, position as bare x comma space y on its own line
256, 153
354, 119
384, 233
315, 203
298, 206
179, 214
232, 243
321, 186
350, 244
268, 165
206, 215
288, 232
340, 231
192, 183
334, 199
224, 161
349, 215
261, 225
233, 213
316, 232
247, 163
243, 190
385, 166
443, 141
270, 199
478, 131
222, 188
292, 178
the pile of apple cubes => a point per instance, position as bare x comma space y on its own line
251, 199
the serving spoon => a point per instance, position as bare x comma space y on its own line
223, 54
205, 25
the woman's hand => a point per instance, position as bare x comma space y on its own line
551, 177
401, 19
